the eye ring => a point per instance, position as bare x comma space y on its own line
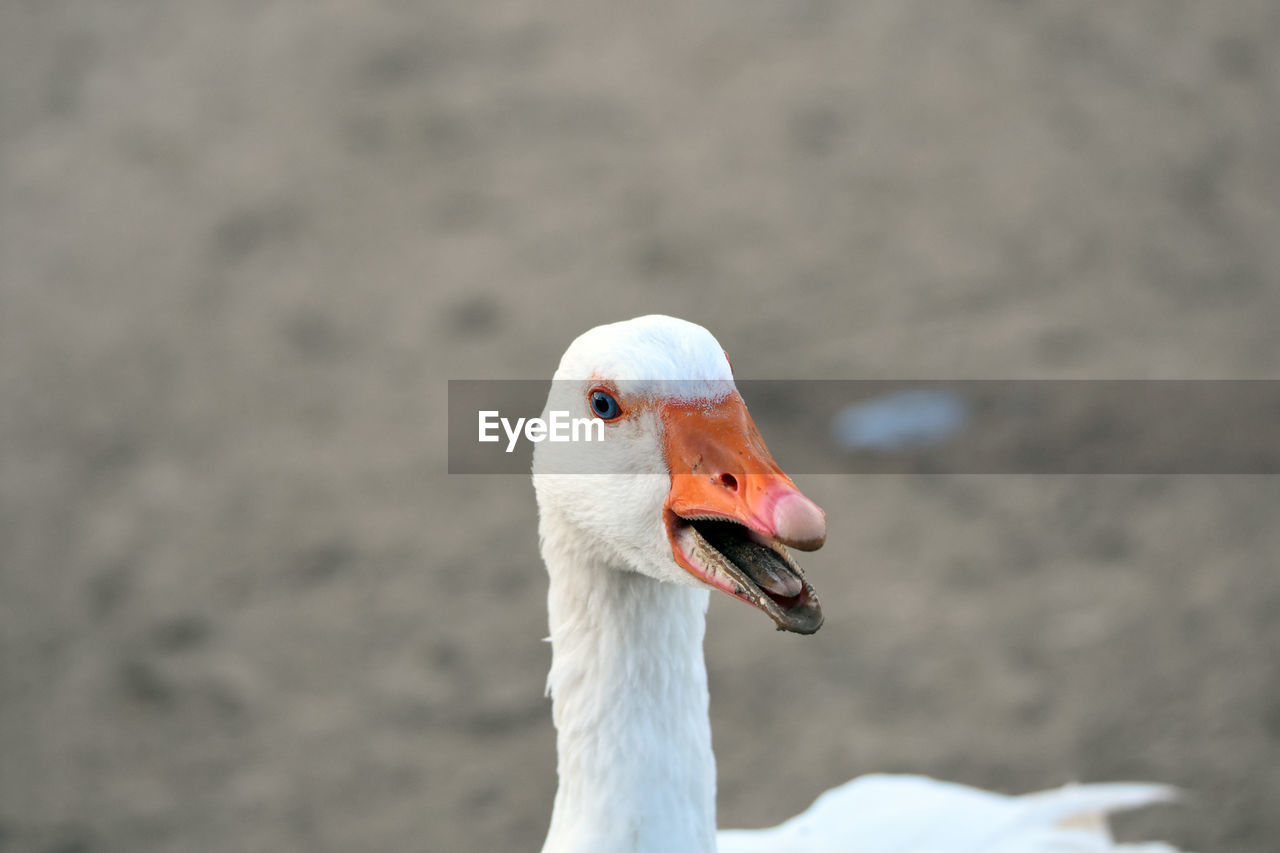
603, 404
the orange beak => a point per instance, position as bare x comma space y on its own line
731, 511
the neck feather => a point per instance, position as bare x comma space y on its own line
629, 690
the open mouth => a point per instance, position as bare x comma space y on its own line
736, 559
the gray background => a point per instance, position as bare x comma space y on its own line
244, 244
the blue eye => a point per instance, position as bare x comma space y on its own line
603, 404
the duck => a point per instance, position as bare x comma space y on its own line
677, 499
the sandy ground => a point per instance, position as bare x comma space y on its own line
244, 244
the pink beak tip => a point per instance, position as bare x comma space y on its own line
799, 521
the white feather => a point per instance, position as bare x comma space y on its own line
915, 814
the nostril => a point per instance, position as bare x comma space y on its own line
729, 482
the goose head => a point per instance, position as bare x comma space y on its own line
682, 487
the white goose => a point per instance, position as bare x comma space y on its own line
681, 497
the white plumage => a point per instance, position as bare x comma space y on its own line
625, 535
889, 814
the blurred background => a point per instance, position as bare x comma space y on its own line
243, 245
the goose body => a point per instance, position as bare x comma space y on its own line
679, 499
896, 814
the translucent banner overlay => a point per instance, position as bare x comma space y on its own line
892, 427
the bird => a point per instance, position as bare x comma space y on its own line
678, 498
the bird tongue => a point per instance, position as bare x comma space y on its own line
760, 563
